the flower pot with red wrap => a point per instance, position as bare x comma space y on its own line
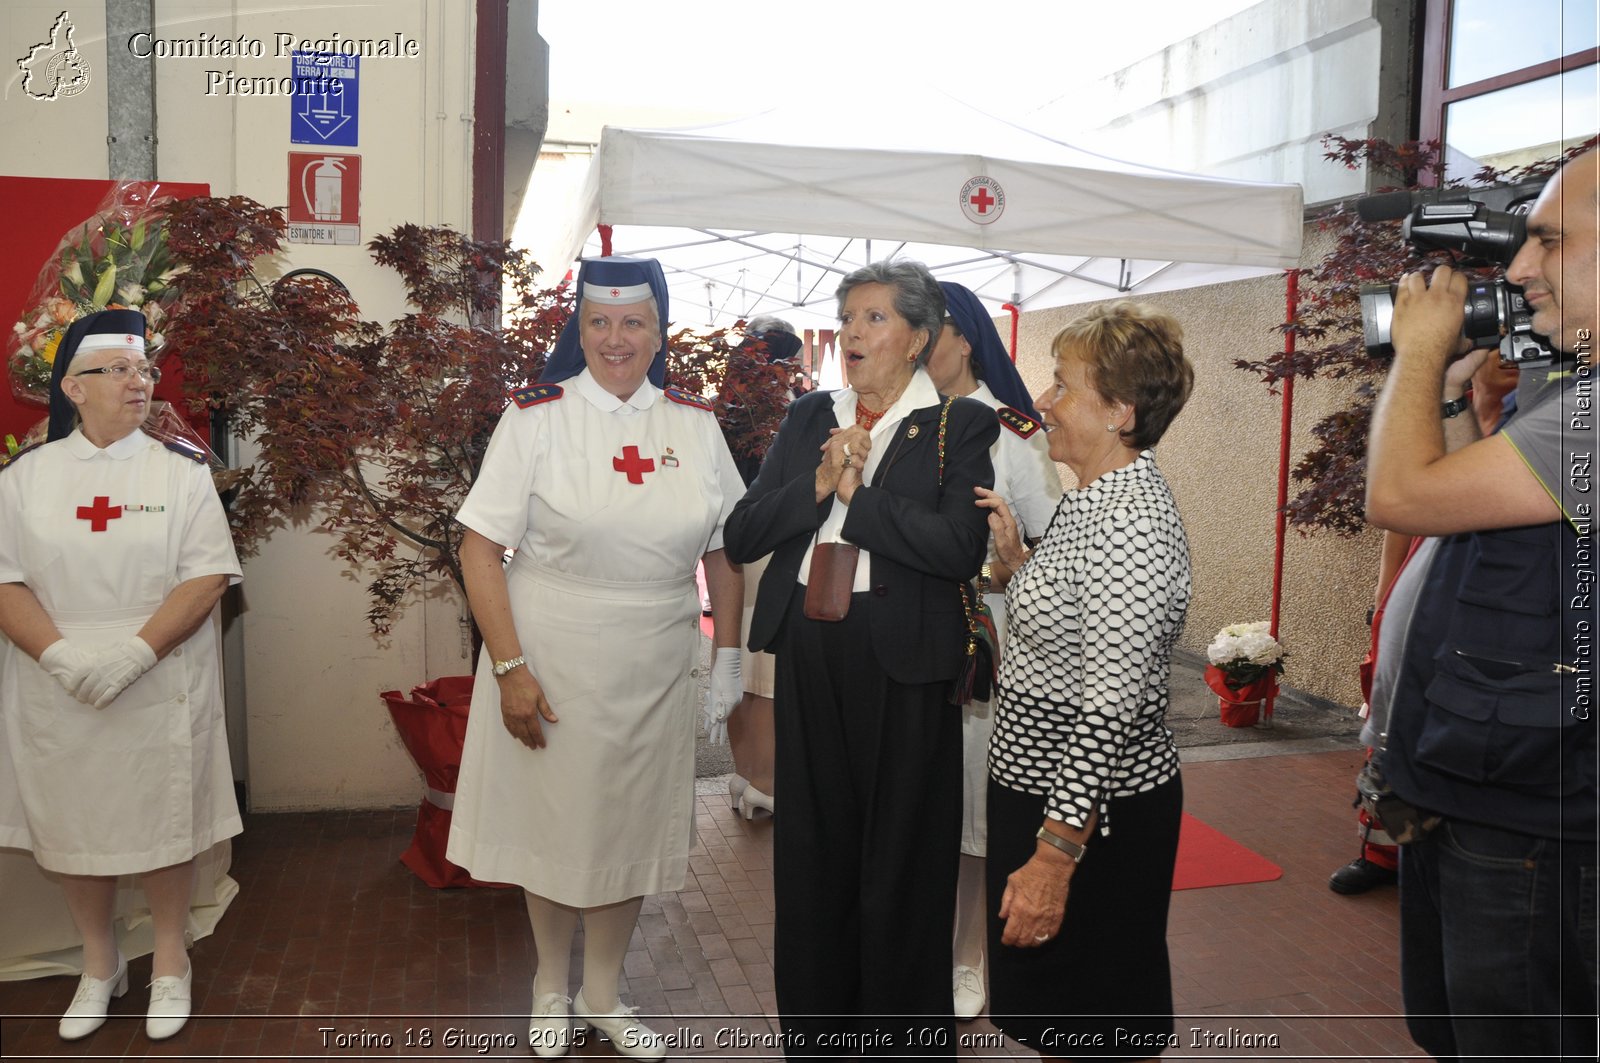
433, 725
1246, 661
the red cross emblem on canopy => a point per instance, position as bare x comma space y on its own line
100, 514
630, 464
982, 200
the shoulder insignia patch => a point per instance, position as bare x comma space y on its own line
684, 398
533, 396
1017, 421
185, 448
7, 459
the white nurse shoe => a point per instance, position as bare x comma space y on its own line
170, 998
550, 1030
87, 1013
628, 1036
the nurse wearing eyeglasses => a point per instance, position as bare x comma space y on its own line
113, 751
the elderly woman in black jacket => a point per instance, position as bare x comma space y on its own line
865, 503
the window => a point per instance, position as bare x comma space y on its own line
1504, 84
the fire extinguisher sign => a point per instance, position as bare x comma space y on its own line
324, 198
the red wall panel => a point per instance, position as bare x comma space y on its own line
39, 212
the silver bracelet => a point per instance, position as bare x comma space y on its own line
1066, 845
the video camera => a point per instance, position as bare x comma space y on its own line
1488, 225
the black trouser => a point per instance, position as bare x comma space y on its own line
1103, 985
864, 848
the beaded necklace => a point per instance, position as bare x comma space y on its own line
867, 418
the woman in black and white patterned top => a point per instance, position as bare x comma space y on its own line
1081, 764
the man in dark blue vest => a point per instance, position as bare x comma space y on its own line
1494, 717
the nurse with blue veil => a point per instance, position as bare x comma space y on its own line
577, 777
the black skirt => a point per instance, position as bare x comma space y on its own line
1102, 987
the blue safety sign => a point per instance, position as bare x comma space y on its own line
327, 91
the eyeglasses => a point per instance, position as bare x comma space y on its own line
122, 370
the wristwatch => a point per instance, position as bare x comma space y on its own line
1456, 407
985, 577
502, 667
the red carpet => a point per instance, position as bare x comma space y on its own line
1207, 857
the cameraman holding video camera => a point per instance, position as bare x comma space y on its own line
1492, 737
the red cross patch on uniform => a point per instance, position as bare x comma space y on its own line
632, 465
533, 396
1017, 421
100, 514
685, 398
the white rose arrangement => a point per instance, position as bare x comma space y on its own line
1246, 653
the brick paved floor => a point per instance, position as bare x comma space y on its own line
333, 949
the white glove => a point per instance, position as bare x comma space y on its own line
68, 663
723, 697
114, 668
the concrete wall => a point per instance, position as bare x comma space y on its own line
1252, 96
1221, 457
60, 137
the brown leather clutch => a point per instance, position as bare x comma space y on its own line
831, 580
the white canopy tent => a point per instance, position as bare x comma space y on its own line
765, 214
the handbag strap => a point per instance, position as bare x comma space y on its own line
966, 603
944, 419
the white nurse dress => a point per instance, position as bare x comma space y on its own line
609, 505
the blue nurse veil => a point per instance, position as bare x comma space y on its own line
991, 362
608, 280
131, 323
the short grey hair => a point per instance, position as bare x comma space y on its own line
917, 296
769, 323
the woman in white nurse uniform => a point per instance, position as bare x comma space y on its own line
115, 554
577, 778
970, 359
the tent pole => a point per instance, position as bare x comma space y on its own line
1281, 524
1015, 312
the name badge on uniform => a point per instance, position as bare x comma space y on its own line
669, 460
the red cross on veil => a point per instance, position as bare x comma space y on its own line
100, 514
633, 465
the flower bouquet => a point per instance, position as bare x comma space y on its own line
1245, 664
117, 258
